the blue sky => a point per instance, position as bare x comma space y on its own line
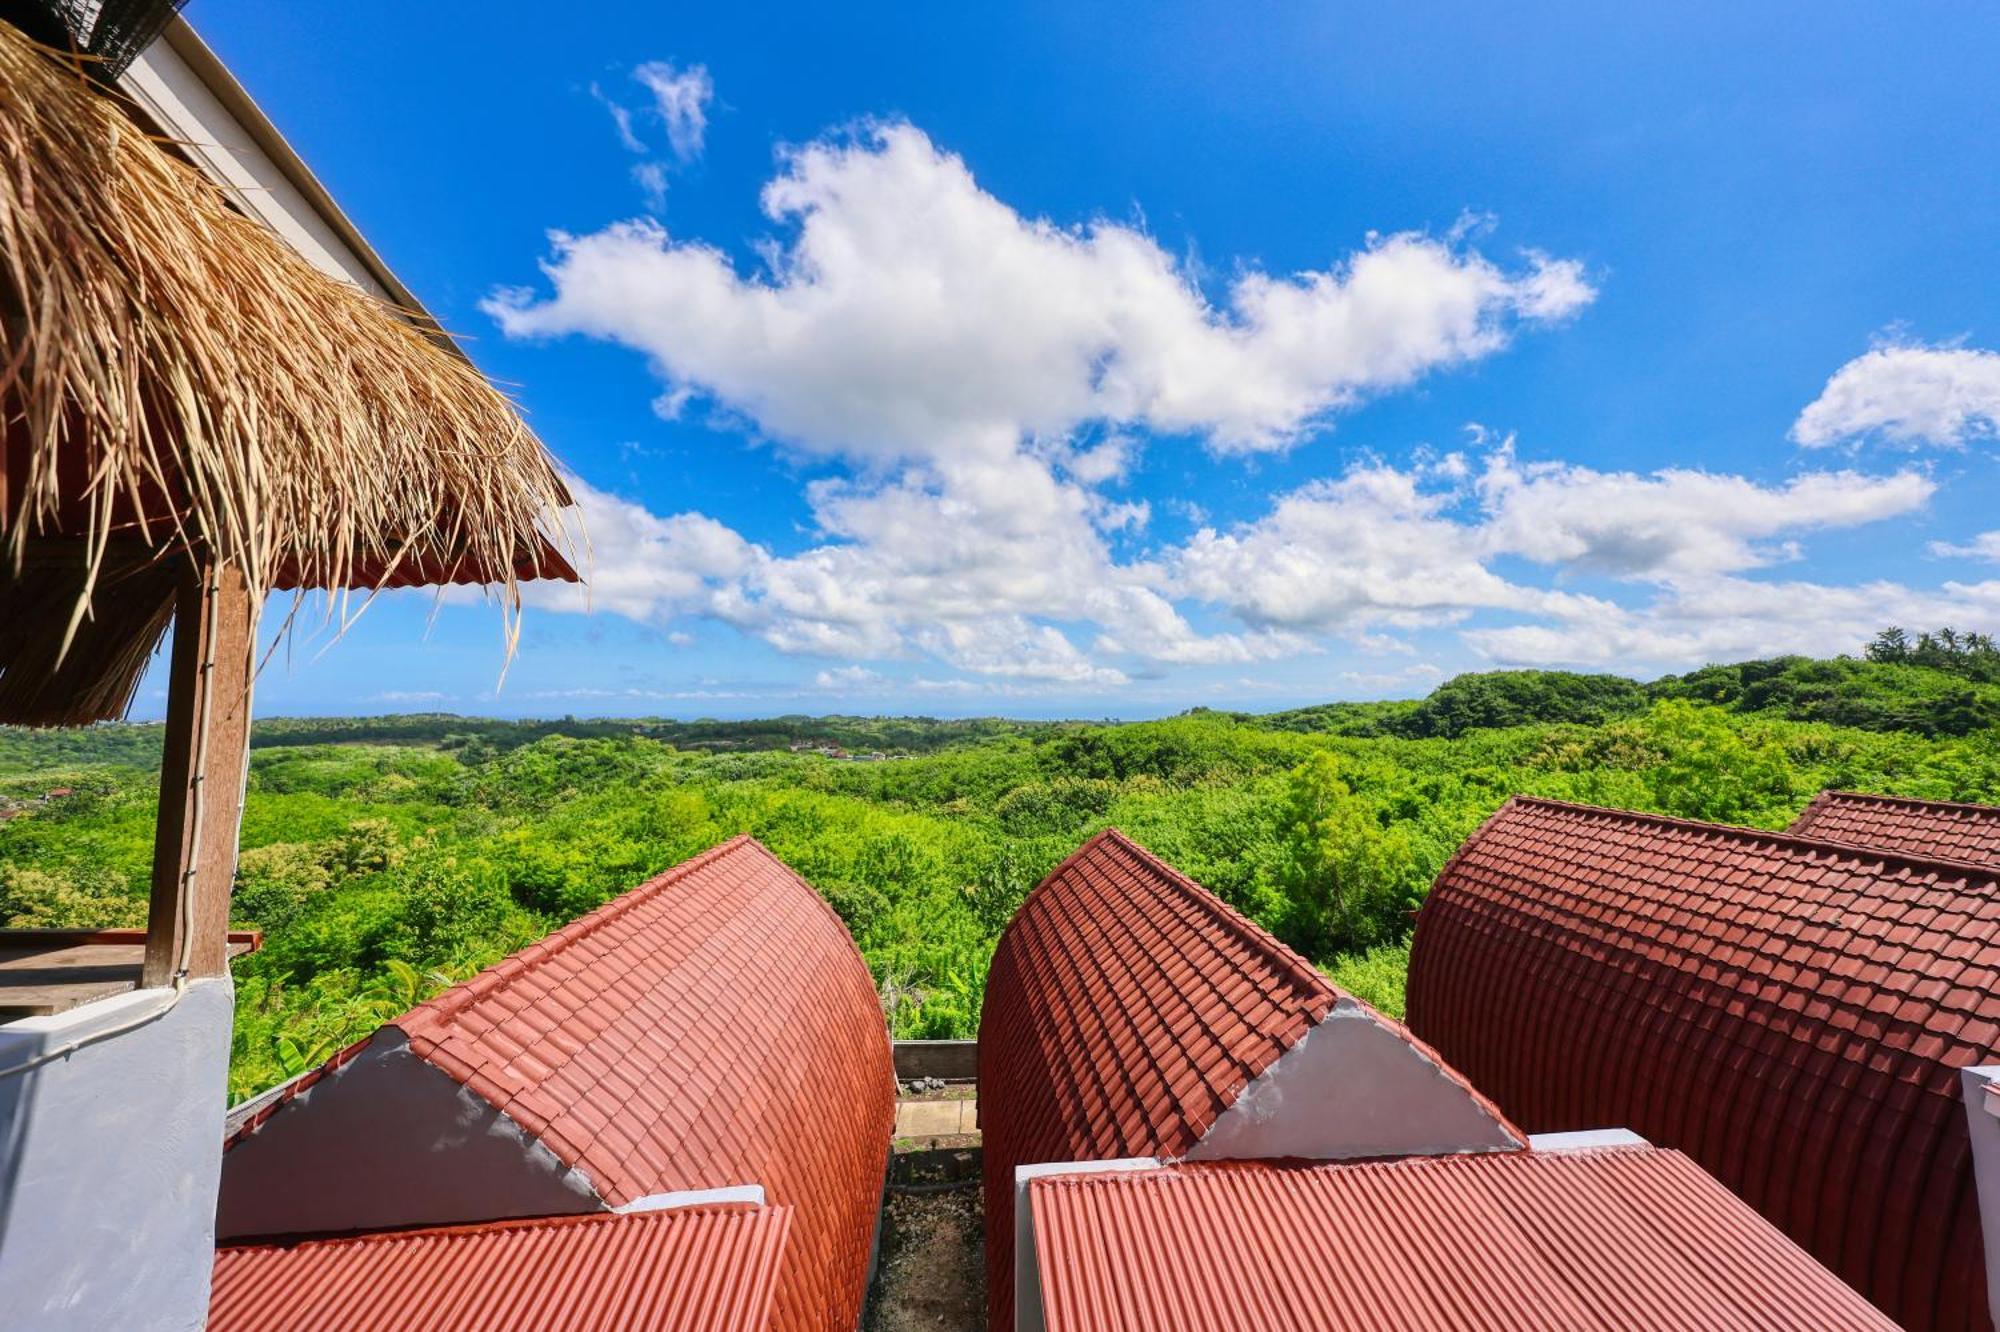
1105, 363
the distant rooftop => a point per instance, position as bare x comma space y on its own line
1899, 823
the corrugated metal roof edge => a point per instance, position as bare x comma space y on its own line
447, 1231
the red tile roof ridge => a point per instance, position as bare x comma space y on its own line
446, 1005
1970, 807
1228, 917
557, 1222
1738, 831
442, 1008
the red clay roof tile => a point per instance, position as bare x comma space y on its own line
1593, 967
1126, 1008
729, 990
1609, 1239
1900, 823
695, 1269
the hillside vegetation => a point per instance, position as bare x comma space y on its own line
386, 857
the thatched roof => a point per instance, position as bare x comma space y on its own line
174, 379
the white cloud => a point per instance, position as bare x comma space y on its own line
621, 120
1731, 619
980, 378
680, 100
1907, 394
913, 316
1374, 548
651, 178
848, 679
642, 566
1674, 521
1985, 546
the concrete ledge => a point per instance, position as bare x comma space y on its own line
954, 1061
1584, 1140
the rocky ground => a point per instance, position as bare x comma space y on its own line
931, 1274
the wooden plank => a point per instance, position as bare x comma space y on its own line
201, 776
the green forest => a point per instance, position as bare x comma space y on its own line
387, 857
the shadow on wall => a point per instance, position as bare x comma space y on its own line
109, 1160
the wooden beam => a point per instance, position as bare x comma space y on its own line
201, 776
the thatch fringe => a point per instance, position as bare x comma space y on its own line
170, 370
128, 612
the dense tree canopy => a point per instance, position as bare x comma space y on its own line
386, 857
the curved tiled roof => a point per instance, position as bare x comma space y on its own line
714, 1026
1127, 1007
1901, 823
683, 1270
1606, 1239
1791, 1013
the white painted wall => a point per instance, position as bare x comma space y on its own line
387, 1140
1984, 1127
1354, 1087
108, 1163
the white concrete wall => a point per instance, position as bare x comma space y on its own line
108, 1163
1353, 1087
387, 1140
1980, 1112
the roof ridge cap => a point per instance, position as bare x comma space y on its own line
1851, 850
446, 1005
1831, 795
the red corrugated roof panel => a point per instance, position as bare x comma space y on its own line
707, 1269
1610, 1239
1127, 1007
1791, 1013
714, 1026
1899, 823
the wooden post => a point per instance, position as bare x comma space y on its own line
201, 776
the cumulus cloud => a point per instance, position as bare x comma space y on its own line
1985, 546
1908, 395
643, 566
1730, 619
1674, 521
981, 373
1393, 549
912, 315
975, 381
1374, 548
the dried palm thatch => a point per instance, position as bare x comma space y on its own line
175, 380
